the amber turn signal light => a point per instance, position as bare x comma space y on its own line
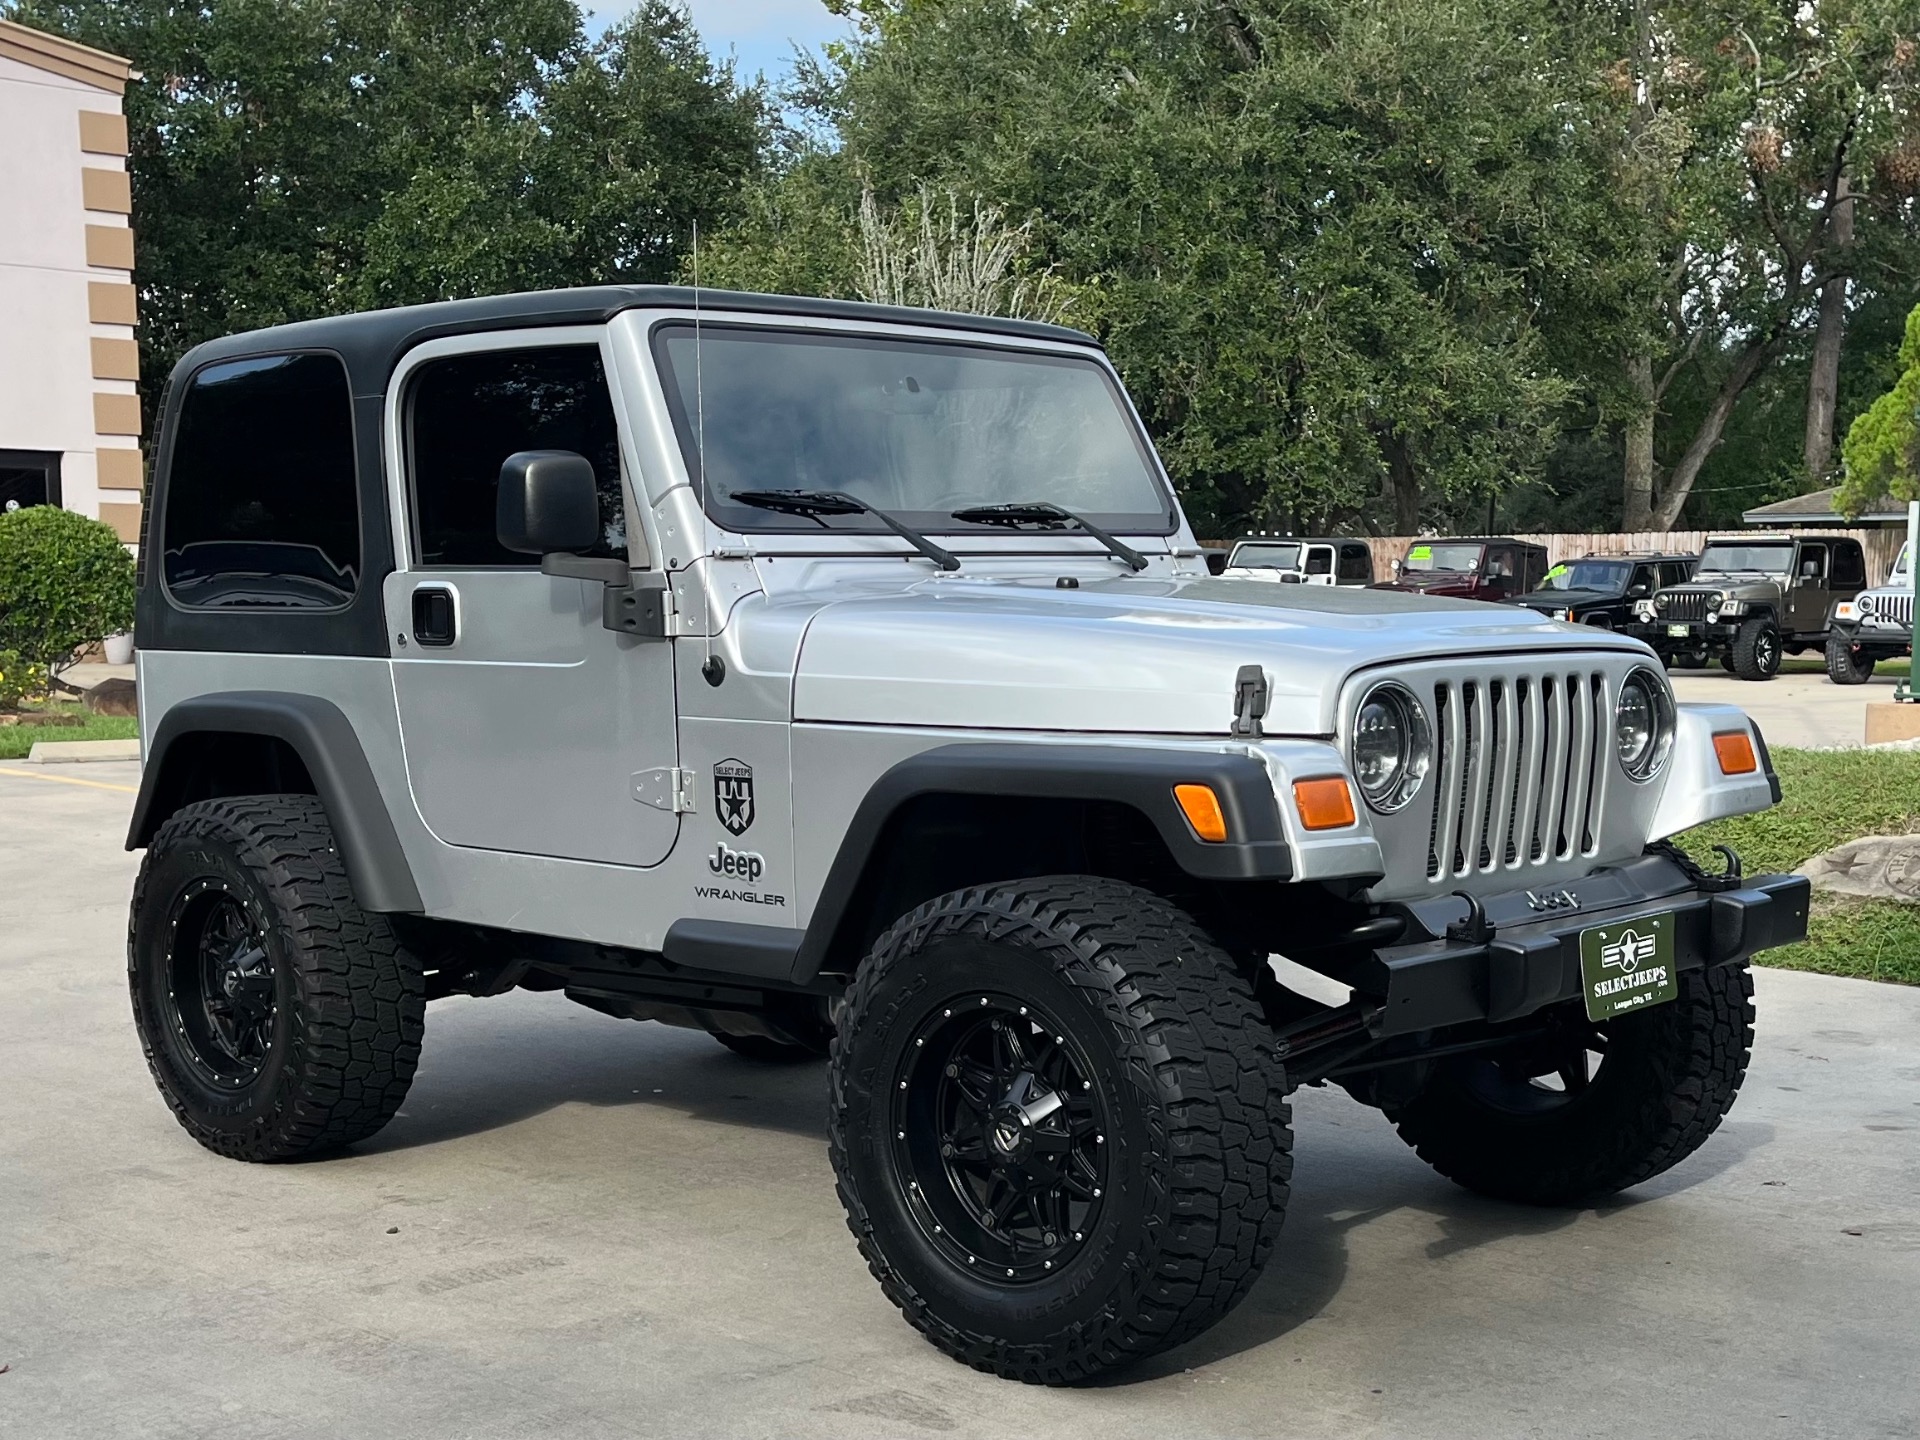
1325, 804
1735, 750
1202, 809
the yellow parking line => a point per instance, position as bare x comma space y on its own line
71, 780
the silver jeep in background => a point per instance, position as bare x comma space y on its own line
1874, 625
845, 681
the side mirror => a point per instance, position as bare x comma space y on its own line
1635, 592
1396, 567
549, 503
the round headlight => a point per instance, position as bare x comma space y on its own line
1392, 747
1643, 725
1714, 600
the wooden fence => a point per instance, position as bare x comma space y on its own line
1881, 546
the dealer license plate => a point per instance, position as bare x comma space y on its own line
1628, 966
1680, 630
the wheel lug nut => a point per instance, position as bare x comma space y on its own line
952, 1071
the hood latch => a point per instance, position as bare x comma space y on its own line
1249, 702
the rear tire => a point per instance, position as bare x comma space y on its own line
1756, 649
1057, 1126
1846, 665
1667, 1078
279, 1019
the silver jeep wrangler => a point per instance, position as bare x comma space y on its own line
845, 681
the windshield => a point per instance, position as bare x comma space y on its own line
1609, 576
1731, 559
1265, 557
1443, 557
915, 428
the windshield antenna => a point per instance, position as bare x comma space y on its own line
713, 670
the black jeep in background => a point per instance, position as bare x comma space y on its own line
1754, 597
1601, 590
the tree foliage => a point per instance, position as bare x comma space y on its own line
294, 158
1882, 450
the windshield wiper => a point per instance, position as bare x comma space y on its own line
814, 503
1048, 516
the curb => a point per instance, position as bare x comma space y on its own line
46, 752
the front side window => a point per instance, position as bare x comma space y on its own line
1813, 560
1319, 560
467, 413
262, 508
916, 428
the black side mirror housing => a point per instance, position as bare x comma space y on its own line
549, 503
1636, 592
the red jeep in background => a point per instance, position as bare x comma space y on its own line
1475, 568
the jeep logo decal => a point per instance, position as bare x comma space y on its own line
736, 864
733, 794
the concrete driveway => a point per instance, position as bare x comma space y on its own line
584, 1227
1801, 711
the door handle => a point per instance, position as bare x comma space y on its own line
433, 616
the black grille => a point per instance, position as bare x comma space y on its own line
1684, 604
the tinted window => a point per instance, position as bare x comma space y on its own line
261, 508
1813, 560
470, 412
1849, 565
1353, 563
1675, 572
1319, 560
1642, 575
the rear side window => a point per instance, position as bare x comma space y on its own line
1849, 565
468, 413
262, 508
1354, 563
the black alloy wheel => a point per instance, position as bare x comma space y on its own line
999, 1139
222, 989
279, 1019
1756, 649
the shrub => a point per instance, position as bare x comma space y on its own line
65, 581
19, 679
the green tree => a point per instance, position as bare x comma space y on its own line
294, 158
1882, 449
1313, 236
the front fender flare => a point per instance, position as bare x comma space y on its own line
1137, 776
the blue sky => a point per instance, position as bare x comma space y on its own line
759, 34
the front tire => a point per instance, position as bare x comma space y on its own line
1667, 1077
1057, 1126
279, 1019
1846, 663
1756, 649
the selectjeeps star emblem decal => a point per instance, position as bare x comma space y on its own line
733, 794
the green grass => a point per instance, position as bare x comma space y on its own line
17, 740
1828, 797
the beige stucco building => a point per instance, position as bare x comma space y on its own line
69, 364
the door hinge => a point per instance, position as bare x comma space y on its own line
669, 789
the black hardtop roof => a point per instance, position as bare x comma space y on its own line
1634, 555
1473, 540
372, 341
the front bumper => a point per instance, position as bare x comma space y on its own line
1527, 960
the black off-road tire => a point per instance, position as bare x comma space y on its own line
1688, 660
769, 1051
1669, 1075
1182, 1074
1756, 649
1846, 665
338, 1048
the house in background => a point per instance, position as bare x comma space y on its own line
69, 365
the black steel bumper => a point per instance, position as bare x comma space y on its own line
1529, 960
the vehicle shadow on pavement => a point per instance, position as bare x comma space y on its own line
486, 1068
1355, 1187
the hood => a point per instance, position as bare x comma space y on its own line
1130, 656
1566, 599
1436, 582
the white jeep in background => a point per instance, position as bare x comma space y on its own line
1874, 625
845, 681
